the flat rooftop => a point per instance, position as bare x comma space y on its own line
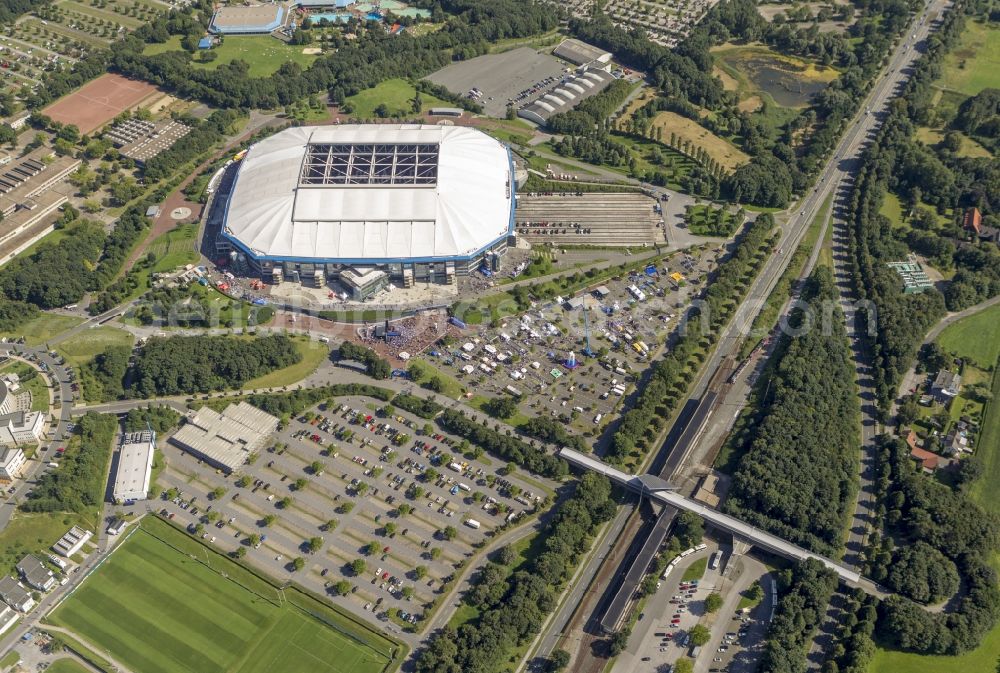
226, 438
135, 463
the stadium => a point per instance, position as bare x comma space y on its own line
366, 204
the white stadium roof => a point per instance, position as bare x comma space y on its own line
374, 192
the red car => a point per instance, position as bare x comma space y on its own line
675, 622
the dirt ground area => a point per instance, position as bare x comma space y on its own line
98, 102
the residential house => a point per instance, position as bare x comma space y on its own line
15, 595
35, 574
946, 385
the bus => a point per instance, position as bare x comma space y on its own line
713, 563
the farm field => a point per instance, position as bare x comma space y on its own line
724, 152
262, 53
160, 610
974, 64
396, 94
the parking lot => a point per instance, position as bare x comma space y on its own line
527, 357
737, 630
373, 487
519, 76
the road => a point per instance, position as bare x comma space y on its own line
838, 166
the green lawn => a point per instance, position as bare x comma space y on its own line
174, 248
974, 63
313, 353
44, 327
67, 665
10, 659
707, 220
29, 533
159, 610
976, 338
423, 371
396, 94
82, 347
262, 53
983, 659
695, 571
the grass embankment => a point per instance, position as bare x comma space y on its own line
695, 571
39, 330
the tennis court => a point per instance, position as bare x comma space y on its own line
97, 102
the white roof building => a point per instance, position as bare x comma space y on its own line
8, 617
72, 541
135, 465
226, 440
581, 53
372, 194
12, 460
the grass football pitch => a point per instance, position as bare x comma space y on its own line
159, 609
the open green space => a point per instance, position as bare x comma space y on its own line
983, 490
44, 327
67, 665
983, 658
262, 53
30, 533
424, 372
706, 220
974, 63
174, 248
160, 609
695, 571
969, 148
82, 347
976, 338
313, 353
397, 96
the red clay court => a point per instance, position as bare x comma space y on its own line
99, 101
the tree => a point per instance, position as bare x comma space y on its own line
316, 467
314, 544
420, 572
404, 509
253, 539
244, 481
558, 660
239, 552
684, 665
700, 635
285, 502
407, 592
449, 533
330, 525
373, 548
358, 566
299, 563
619, 641
506, 555
345, 507
268, 520
300, 484
435, 553
342, 588
755, 592
713, 602
390, 529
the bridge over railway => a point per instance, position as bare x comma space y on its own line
654, 487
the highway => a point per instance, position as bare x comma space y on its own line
843, 162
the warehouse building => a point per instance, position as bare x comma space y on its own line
420, 203
566, 96
135, 465
225, 439
581, 53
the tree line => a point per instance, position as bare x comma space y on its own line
512, 610
376, 366
953, 532
591, 111
668, 379
182, 365
804, 590
78, 485
798, 475
895, 161
507, 447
